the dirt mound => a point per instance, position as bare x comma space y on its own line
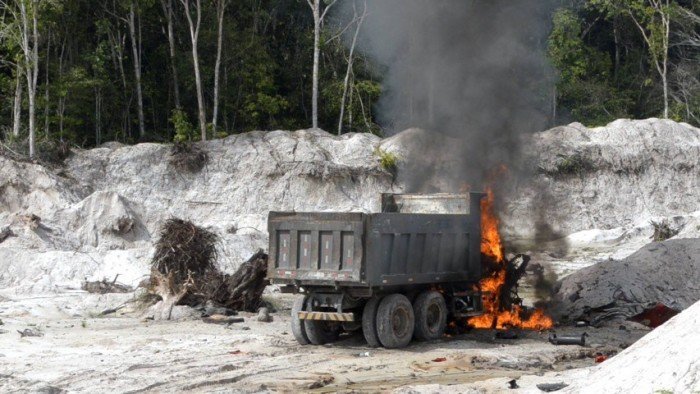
103, 210
662, 272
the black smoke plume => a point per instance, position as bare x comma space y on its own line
474, 71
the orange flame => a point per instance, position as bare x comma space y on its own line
491, 286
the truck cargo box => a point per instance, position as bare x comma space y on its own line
378, 249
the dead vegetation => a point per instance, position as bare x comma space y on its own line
662, 231
5, 233
184, 272
105, 286
48, 152
188, 157
569, 165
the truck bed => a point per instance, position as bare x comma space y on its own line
374, 250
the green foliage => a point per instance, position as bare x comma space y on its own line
265, 80
632, 34
606, 69
184, 132
387, 160
586, 86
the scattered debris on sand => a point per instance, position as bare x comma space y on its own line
105, 286
30, 332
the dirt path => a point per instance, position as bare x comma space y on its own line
126, 354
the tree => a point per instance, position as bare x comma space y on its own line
194, 25
220, 10
17, 104
319, 16
653, 20
358, 19
685, 78
169, 19
654, 23
25, 12
136, 58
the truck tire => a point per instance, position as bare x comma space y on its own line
395, 321
298, 329
431, 315
369, 322
320, 332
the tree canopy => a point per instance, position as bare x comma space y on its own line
124, 69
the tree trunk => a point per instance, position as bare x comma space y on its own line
46, 87
350, 63
316, 8
17, 107
616, 35
31, 63
61, 97
660, 60
137, 67
168, 10
220, 10
194, 35
98, 116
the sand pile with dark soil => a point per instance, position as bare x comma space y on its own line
662, 272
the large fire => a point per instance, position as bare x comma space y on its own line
492, 285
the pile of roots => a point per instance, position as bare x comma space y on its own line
188, 157
184, 272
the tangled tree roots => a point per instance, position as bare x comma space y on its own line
188, 157
183, 272
242, 290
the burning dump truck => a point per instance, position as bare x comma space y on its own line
395, 275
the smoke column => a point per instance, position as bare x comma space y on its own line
474, 71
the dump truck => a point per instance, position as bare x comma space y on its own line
396, 275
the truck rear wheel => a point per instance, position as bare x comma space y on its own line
395, 321
298, 329
369, 322
431, 315
320, 332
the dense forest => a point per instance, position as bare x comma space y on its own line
88, 71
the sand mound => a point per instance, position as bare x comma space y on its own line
103, 208
665, 360
662, 272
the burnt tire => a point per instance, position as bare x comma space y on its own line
298, 325
369, 322
430, 309
320, 332
395, 321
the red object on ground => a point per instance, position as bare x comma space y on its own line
655, 316
600, 358
439, 359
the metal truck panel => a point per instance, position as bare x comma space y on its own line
421, 248
444, 203
325, 247
379, 249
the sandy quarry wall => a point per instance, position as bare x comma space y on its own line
620, 175
632, 170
